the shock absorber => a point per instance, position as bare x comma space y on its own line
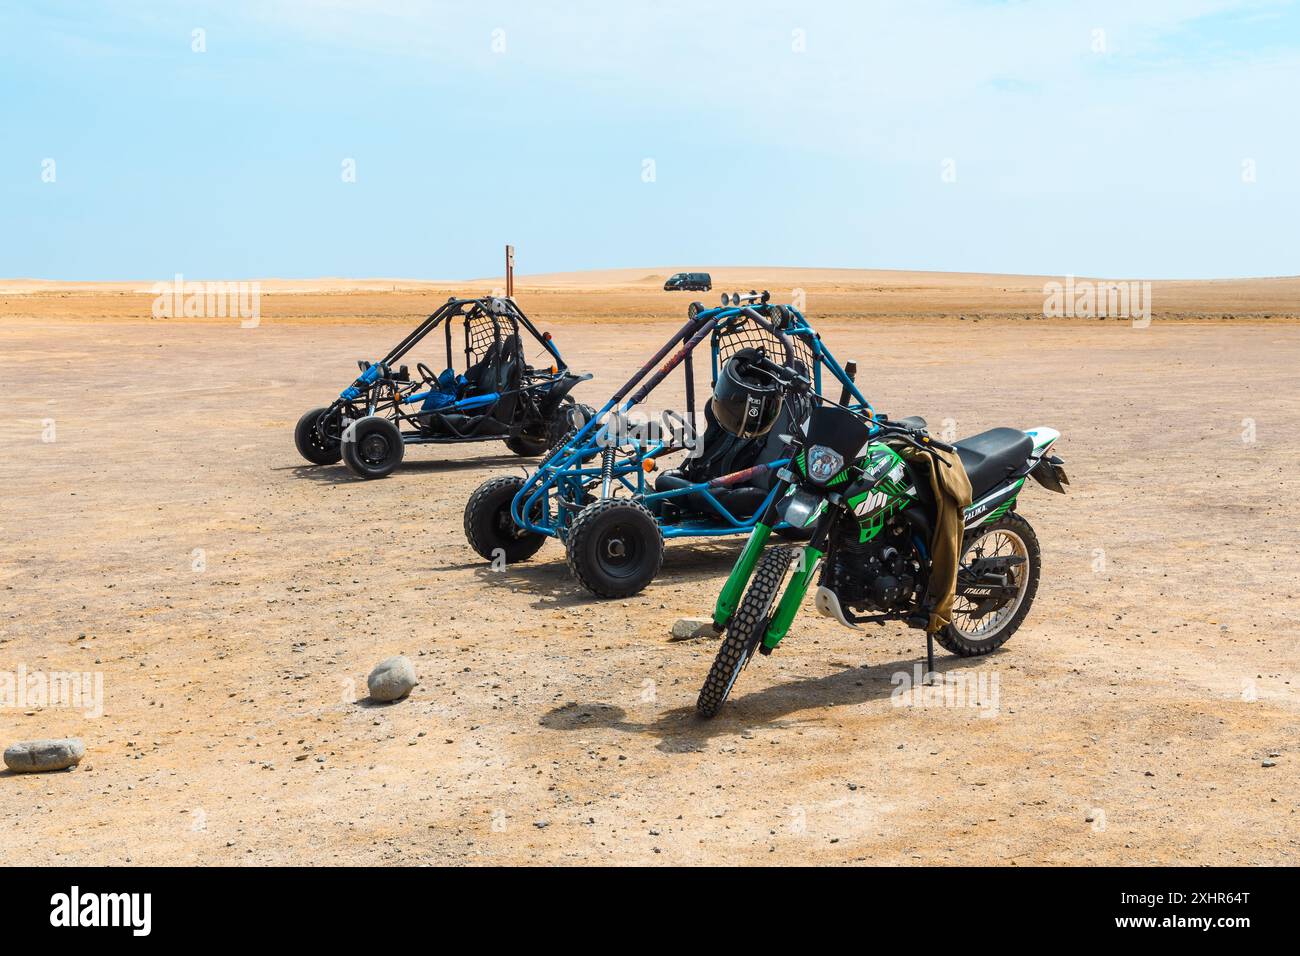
606, 470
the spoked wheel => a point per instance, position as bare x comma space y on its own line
372, 447
746, 629
615, 548
311, 444
489, 528
996, 583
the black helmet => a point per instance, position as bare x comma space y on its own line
746, 400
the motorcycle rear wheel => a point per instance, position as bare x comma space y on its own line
972, 636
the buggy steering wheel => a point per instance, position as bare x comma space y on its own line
425, 372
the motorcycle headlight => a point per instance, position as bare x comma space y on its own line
823, 463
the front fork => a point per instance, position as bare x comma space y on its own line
738, 580
732, 592
792, 599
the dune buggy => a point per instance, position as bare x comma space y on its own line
595, 491
498, 396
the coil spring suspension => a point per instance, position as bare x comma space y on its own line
606, 471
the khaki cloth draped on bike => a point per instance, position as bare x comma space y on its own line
952, 495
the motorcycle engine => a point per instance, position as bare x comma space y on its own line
878, 575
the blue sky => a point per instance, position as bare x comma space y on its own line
782, 133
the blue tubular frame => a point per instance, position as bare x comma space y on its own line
379, 391
567, 473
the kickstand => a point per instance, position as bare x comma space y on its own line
929, 659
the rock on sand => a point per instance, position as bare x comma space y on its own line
36, 756
392, 679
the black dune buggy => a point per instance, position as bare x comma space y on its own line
498, 396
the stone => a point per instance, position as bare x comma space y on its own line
689, 628
39, 756
392, 679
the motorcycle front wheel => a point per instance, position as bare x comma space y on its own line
745, 630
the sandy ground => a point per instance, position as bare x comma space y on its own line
233, 599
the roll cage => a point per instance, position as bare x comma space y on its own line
491, 340
554, 494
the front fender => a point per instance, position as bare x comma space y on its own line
801, 507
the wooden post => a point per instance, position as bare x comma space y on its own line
510, 272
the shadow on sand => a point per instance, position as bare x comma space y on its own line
546, 577
681, 731
339, 474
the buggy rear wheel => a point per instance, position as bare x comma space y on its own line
615, 548
563, 430
525, 445
488, 526
311, 444
565, 420
372, 447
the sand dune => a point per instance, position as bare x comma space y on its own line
637, 294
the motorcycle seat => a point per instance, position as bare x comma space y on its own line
990, 457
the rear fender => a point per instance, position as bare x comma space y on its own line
1045, 468
555, 394
1050, 474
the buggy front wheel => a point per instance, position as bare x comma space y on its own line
312, 445
615, 548
489, 528
372, 447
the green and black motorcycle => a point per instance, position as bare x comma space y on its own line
857, 486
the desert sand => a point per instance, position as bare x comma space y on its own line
159, 529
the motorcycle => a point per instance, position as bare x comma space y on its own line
859, 487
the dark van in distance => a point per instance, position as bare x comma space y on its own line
689, 282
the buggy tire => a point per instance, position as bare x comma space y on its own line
558, 429
372, 447
526, 446
950, 637
745, 629
309, 442
489, 528
615, 548
563, 433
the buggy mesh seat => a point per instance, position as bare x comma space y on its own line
497, 372
722, 454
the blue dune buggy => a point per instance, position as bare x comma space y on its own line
498, 396
595, 493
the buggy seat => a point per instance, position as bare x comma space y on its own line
722, 453
498, 372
